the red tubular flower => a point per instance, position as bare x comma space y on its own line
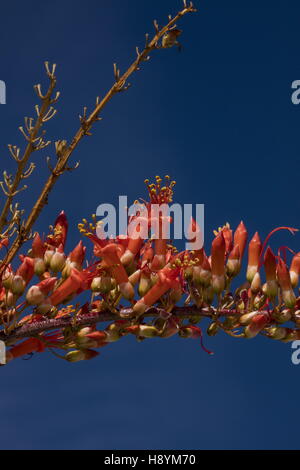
166, 280
38, 247
26, 269
26, 347
7, 277
160, 244
240, 238
135, 242
255, 247
78, 254
295, 270
284, 280
258, 323
228, 237
202, 273
270, 265
117, 270
70, 286
60, 231
218, 263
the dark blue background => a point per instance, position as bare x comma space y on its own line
218, 118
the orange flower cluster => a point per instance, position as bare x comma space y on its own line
147, 287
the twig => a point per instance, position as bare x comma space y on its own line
35, 142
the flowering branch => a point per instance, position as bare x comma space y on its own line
168, 34
168, 293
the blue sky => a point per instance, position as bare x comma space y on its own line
219, 118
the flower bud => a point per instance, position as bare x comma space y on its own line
81, 355
257, 324
284, 280
34, 296
144, 285
256, 283
217, 263
10, 299
39, 266
17, 285
48, 256
247, 317
270, 289
85, 331
103, 284
277, 332
295, 270
240, 239
147, 331
233, 263
255, 247
58, 260
127, 290
7, 277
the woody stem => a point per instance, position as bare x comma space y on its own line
92, 318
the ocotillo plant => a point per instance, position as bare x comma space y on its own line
57, 300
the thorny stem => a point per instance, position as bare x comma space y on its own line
34, 329
86, 125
